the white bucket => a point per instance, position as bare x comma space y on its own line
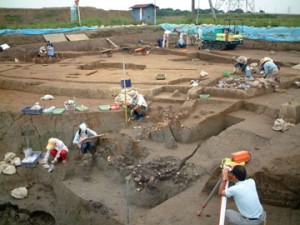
27, 152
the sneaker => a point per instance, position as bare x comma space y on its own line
64, 161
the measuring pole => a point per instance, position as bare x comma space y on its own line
125, 98
127, 179
223, 207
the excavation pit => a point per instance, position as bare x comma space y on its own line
176, 122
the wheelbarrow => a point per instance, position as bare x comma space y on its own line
108, 52
141, 50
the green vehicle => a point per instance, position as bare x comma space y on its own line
226, 37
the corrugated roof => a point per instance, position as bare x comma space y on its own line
141, 5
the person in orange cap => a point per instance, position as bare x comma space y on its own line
57, 149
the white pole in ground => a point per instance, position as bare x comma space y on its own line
223, 207
125, 92
127, 179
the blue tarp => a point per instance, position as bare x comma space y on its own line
274, 34
46, 31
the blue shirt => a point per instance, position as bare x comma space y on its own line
50, 50
246, 198
181, 42
269, 66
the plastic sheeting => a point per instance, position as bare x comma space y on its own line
45, 31
274, 34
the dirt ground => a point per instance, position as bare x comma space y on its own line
133, 177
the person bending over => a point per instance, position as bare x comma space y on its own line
138, 106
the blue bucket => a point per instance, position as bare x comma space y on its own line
126, 83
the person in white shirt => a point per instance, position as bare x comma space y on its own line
83, 133
199, 37
166, 38
138, 106
57, 149
245, 197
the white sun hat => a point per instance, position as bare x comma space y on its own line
83, 126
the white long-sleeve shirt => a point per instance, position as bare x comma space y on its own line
140, 100
59, 146
77, 135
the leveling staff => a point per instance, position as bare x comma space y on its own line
245, 196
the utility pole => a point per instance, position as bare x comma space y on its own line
193, 9
78, 11
212, 10
155, 12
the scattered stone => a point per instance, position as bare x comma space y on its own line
19, 193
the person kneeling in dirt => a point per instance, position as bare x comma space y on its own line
181, 43
240, 64
138, 106
245, 196
81, 135
42, 52
50, 50
270, 71
58, 150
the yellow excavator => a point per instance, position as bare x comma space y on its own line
226, 37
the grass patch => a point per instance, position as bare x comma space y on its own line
13, 18
256, 20
50, 18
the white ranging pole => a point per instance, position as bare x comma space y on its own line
223, 207
125, 92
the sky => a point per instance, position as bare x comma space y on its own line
269, 6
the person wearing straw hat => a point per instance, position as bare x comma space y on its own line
138, 106
83, 133
240, 64
57, 149
269, 70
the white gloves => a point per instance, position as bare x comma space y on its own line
54, 161
262, 72
48, 167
